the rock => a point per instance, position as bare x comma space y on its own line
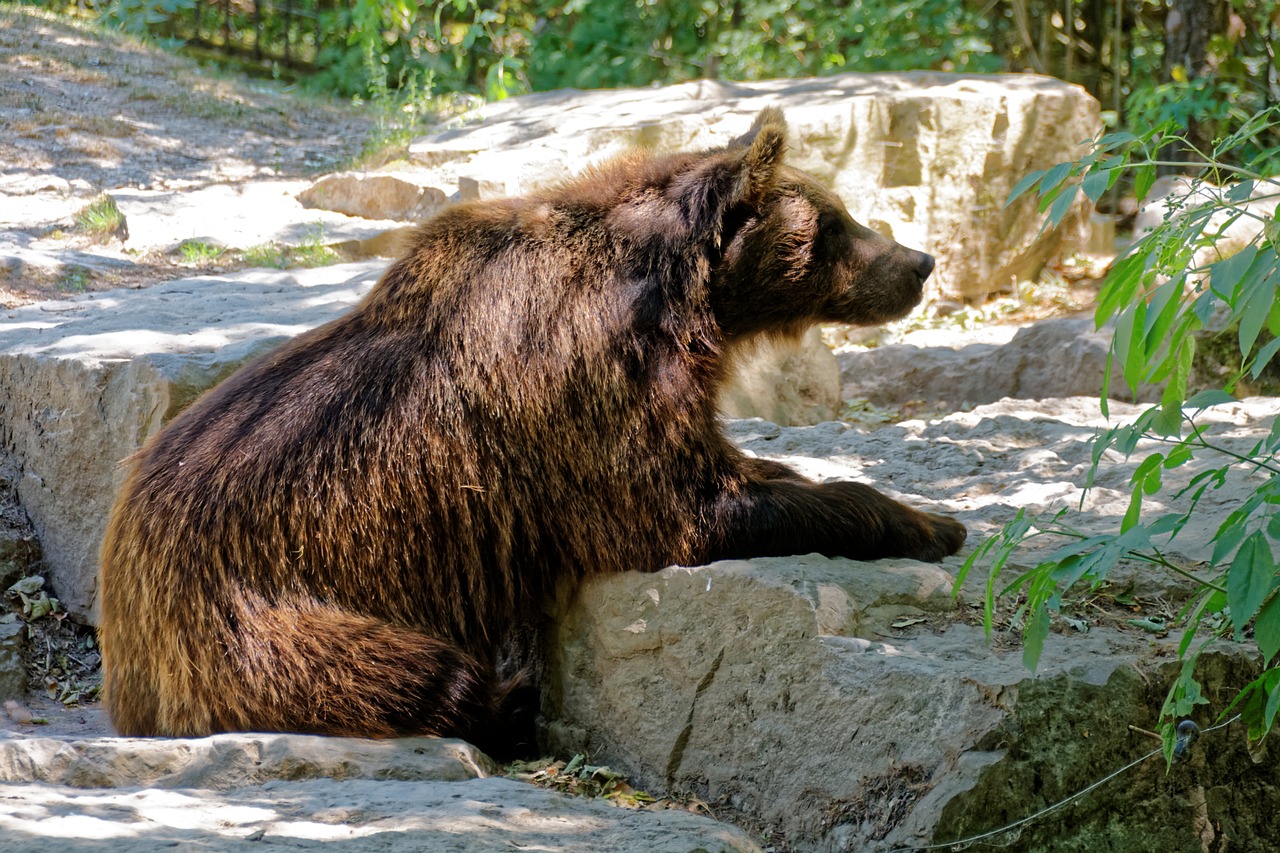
375, 195
19, 713
1050, 358
839, 703
792, 384
19, 547
387, 244
849, 707
235, 760
472, 188
925, 157
19, 256
296, 791
86, 380
13, 675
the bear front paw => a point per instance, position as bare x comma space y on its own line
932, 537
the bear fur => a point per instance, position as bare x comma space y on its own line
341, 537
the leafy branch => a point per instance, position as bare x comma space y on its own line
1178, 280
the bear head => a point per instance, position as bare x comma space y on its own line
787, 252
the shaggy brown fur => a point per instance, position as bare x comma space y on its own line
338, 538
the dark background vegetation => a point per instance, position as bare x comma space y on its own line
1207, 64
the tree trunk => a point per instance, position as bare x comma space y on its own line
1188, 26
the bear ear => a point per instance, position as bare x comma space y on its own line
737, 176
765, 144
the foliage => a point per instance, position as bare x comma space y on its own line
1239, 77
1166, 287
140, 16
101, 218
199, 252
311, 252
622, 42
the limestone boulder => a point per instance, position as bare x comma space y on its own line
296, 791
398, 196
924, 157
1050, 358
232, 760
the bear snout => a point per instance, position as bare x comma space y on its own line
922, 265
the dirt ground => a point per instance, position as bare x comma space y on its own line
84, 110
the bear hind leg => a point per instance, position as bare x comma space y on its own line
303, 666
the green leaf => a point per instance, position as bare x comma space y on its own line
1175, 392
1249, 578
1134, 512
1185, 694
1114, 140
1129, 346
1023, 185
1228, 538
1096, 183
1054, 177
1062, 205
1120, 286
1168, 523
1267, 628
1226, 275
1273, 705
1240, 191
1205, 399
1178, 457
1143, 178
1033, 638
1257, 295
1264, 356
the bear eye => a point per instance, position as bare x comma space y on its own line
829, 226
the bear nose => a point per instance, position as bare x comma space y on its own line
924, 265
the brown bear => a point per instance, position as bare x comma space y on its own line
341, 536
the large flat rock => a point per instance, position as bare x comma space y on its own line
927, 158
230, 792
